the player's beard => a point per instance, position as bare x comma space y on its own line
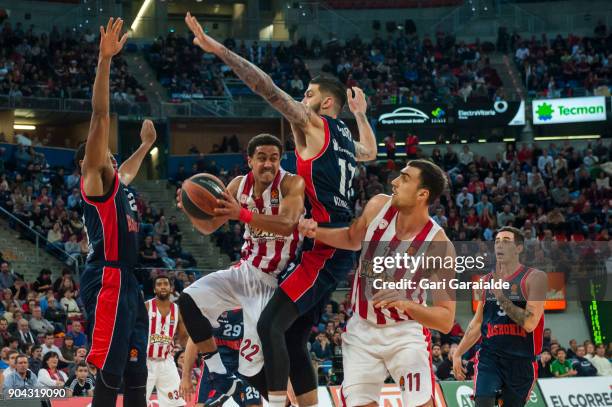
316, 107
163, 297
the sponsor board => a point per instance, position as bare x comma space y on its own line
405, 117
459, 394
577, 391
390, 396
493, 114
569, 110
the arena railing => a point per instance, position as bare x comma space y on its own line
40, 240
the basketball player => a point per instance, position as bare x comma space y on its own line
117, 318
270, 202
389, 330
228, 338
327, 159
164, 322
511, 323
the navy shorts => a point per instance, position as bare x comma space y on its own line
315, 274
117, 321
247, 396
511, 378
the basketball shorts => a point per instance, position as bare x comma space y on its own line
371, 353
315, 274
247, 396
240, 286
163, 375
513, 377
117, 320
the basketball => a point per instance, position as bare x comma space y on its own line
199, 195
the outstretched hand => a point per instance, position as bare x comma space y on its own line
356, 100
148, 135
110, 43
201, 39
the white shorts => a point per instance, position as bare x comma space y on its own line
241, 286
371, 353
163, 375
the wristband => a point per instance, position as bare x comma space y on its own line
245, 215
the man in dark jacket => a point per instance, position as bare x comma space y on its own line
582, 365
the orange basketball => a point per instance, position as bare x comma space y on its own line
199, 195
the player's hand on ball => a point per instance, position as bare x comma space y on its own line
308, 228
202, 40
110, 43
229, 207
186, 389
458, 370
356, 100
148, 135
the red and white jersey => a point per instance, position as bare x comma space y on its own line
161, 330
266, 251
381, 241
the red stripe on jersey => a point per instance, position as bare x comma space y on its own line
304, 168
417, 242
427, 334
280, 243
173, 322
152, 325
105, 316
160, 347
306, 273
262, 247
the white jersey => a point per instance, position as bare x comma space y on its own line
161, 331
266, 251
381, 241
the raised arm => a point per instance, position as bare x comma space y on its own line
348, 238
129, 169
97, 167
257, 80
289, 212
366, 148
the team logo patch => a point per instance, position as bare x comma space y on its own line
170, 395
274, 197
133, 355
402, 384
383, 224
243, 198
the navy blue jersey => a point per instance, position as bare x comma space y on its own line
500, 334
329, 176
228, 337
112, 225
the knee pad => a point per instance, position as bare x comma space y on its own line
135, 381
484, 402
197, 325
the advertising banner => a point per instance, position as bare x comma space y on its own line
577, 391
407, 117
492, 114
459, 394
569, 110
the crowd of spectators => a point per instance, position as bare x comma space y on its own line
58, 64
566, 66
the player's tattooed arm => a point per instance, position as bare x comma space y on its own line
295, 112
366, 148
528, 317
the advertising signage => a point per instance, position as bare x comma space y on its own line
493, 114
569, 110
407, 117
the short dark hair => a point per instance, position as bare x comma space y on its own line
79, 154
432, 178
160, 276
49, 355
263, 140
519, 237
22, 355
332, 85
82, 363
34, 348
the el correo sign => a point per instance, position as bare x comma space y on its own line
569, 110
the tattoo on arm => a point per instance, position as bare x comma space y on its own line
261, 83
517, 314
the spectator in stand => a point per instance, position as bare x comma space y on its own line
80, 384
322, 352
562, 367
148, 254
582, 365
43, 282
55, 314
24, 335
445, 369
79, 337
4, 332
38, 324
35, 361
390, 146
573, 347
601, 362
436, 356
21, 378
412, 143
544, 364
49, 375
174, 229
79, 356
69, 304
162, 229
49, 346
11, 359
7, 278
68, 349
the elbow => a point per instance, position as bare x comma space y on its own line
287, 228
529, 327
445, 327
